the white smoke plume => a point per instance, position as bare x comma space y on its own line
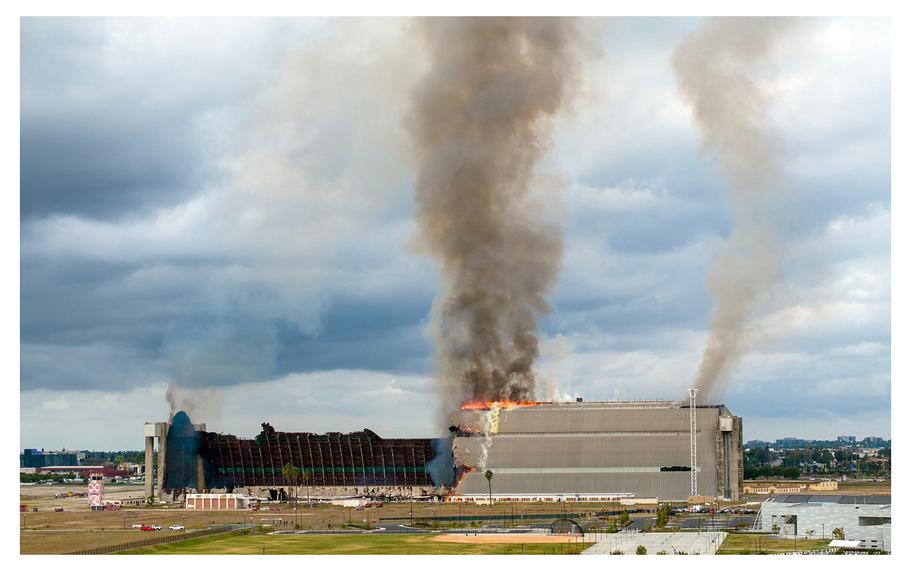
716, 72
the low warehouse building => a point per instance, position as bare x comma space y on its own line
866, 518
216, 501
784, 486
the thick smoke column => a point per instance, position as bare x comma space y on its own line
203, 403
479, 125
715, 69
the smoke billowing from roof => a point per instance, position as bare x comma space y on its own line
203, 403
715, 69
479, 125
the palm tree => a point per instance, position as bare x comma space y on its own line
307, 476
291, 475
489, 476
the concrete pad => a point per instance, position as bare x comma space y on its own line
670, 542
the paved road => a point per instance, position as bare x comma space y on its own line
707, 522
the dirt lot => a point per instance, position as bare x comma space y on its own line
59, 542
42, 496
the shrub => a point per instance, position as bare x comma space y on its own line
641, 549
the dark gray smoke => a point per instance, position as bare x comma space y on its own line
203, 403
479, 124
716, 72
442, 467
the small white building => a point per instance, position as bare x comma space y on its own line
863, 518
216, 502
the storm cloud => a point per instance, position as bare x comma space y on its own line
229, 202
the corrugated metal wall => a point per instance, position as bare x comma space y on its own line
594, 448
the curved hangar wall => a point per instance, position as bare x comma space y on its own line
596, 451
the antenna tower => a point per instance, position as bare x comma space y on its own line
693, 474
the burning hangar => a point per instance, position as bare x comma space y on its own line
598, 451
578, 451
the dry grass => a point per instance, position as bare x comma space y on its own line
504, 538
864, 487
59, 542
753, 544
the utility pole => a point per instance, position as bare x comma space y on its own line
693, 474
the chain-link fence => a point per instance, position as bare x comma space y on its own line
159, 540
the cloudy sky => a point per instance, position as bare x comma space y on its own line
227, 205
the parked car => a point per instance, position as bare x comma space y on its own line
177, 528
146, 528
155, 527
139, 526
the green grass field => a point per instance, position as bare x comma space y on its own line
346, 544
753, 544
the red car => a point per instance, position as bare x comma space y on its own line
150, 528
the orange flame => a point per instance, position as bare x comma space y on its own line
488, 404
462, 474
